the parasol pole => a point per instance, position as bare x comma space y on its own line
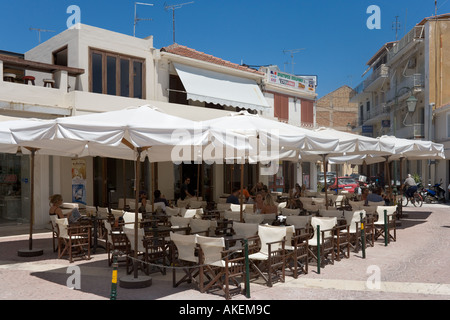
135, 281
136, 210
30, 252
124, 185
241, 195
198, 179
153, 186
324, 156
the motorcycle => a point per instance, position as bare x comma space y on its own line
435, 193
421, 190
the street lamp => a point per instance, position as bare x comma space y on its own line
411, 103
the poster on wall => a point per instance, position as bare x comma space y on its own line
306, 181
79, 181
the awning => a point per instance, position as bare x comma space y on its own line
218, 88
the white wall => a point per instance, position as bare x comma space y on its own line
295, 111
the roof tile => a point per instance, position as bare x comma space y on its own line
194, 54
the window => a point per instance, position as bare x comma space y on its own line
111, 66
281, 107
97, 73
308, 111
116, 74
60, 57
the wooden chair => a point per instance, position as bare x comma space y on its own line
326, 242
183, 252
182, 203
249, 208
380, 223
199, 226
237, 207
223, 206
301, 223
330, 213
232, 215
220, 269
91, 211
296, 251
253, 218
353, 219
247, 231
269, 217
102, 212
311, 209
73, 237
290, 212
140, 250
191, 213
55, 234
117, 240
172, 211
181, 223
156, 252
269, 262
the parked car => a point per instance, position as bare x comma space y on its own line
330, 178
344, 183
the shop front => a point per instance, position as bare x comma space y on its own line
14, 189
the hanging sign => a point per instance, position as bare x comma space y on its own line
292, 81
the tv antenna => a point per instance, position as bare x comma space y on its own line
292, 51
173, 8
136, 19
39, 32
396, 27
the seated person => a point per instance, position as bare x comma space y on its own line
142, 208
233, 197
56, 201
375, 196
269, 205
259, 203
160, 198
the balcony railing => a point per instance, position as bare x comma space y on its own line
415, 82
381, 72
415, 34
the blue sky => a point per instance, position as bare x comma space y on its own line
333, 33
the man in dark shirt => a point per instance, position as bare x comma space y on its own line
184, 191
233, 197
158, 198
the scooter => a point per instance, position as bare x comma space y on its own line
435, 193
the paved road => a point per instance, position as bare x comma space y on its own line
415, 267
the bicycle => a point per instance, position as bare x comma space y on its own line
416, 199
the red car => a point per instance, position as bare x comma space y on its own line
345, 183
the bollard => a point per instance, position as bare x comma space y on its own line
318, 249
115, 265
386, 234
247, 270
363, 237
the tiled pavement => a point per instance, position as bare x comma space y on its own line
414, 267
